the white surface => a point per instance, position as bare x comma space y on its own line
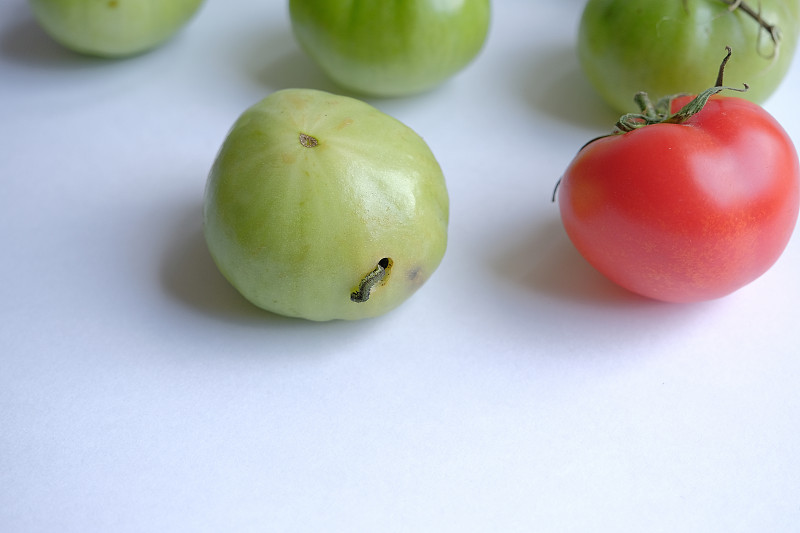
518, 391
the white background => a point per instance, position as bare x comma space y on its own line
517, 391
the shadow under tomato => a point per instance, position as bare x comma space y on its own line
272, 59
25, 43
553, 83
287, 66
545, 261
572, 303
189, 275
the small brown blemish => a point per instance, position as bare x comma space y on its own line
416, 277
113, 3
343, 124
308, 141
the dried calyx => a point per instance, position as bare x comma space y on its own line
773, 30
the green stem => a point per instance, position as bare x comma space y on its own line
721, 72
661, 112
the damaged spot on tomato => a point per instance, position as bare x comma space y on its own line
378, 276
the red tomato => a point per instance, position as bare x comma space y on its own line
685, 212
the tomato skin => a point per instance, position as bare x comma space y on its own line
299, 227
685, 212
113, 29
666, 47
390, 48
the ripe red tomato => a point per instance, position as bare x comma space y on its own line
689, 211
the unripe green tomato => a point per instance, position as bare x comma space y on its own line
666, 47
322, 207
112, 28
390, 47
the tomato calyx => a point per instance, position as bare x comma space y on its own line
660, 113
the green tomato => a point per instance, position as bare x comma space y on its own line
112, 28
390, 47
666, 47
322, 207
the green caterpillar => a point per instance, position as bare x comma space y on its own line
370, 280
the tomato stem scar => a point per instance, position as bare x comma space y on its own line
377, 275
308, 141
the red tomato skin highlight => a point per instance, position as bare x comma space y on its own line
685, 212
